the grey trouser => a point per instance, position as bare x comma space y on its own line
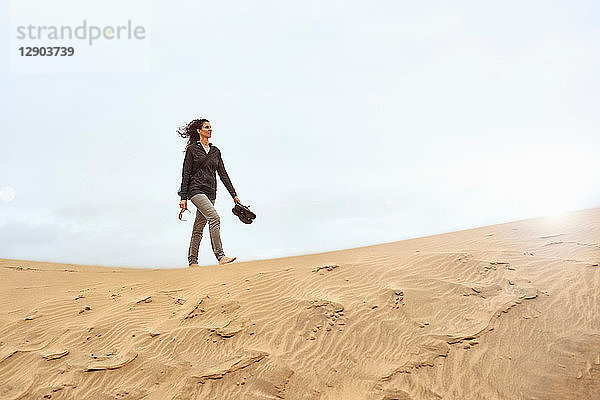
205, 212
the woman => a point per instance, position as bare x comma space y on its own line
199, 185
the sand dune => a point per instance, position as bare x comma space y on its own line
508, 311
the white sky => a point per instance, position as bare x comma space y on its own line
341, 124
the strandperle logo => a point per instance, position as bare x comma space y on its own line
84, 31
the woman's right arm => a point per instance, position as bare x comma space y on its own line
186, 174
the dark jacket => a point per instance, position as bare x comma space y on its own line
196, 181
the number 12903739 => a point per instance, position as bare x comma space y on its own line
46, 51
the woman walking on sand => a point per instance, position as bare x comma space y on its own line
199, 185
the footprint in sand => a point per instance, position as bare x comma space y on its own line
326, 267
109, 361
147, 299
398, 297
323, 316
55, 355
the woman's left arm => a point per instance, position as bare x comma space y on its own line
225, 179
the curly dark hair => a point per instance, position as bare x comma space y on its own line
190, 130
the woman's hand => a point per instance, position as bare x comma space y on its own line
183, 205
236, 200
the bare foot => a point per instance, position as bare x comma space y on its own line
226, 260
194, 265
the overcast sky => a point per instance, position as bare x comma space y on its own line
341, 123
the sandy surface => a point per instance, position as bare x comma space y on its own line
508, 311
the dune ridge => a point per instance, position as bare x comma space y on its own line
508, 311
